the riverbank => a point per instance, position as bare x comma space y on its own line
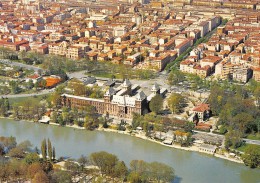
141, 135
192, 148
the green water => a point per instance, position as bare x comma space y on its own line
190, 167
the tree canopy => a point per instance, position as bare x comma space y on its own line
156, 104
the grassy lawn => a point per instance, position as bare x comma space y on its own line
243, 148
254, 137
21, 99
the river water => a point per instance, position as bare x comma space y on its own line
190, 167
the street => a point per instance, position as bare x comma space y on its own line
18, 64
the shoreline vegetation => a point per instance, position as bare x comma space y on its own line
20, 162
192, 148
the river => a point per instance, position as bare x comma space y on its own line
189, 166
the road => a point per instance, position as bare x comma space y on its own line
18, 64
41, 92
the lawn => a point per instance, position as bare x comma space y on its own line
21, 99
254, 137
243, 147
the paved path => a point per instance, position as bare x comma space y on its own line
145, 84
18, 64
41, 92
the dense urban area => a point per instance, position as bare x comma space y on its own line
181, 73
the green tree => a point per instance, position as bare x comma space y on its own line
156, 104
134, 177
175, 77
105, 161
53, 153
61, 177
176, 102
233, 139
2, 150
160, 172
138, 166
251, 157
44, 149
50, 150
120, 169
43, 83
31, 158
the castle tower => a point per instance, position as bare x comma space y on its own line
127, 86
155, 89
107, 99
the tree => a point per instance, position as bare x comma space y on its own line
61, 177
25, 145
50, 149
83, 160
32, 158
160, 172
44, 149
176, 102
72, 166
156, 103
134, 177
120, 169
43, 83
175, 77
105, 161
189, 126
16, 153
40, 177
53, 153
233, 138
8, 142
251, 157
33, 169
138, 166
2, 150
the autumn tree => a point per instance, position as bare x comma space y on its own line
156, 104
16, 153
33, 169
40, 177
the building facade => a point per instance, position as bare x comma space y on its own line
116, 102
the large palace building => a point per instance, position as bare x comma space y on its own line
122, 101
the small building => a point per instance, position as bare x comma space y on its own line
35, 78
201, 112
89, 80
207, 148
45, 120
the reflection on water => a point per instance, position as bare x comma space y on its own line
189, 166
